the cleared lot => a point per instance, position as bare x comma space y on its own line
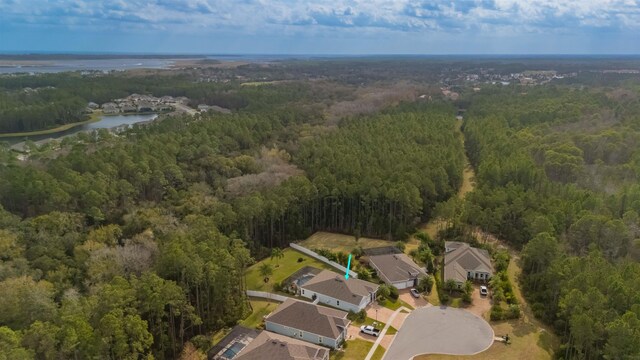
440, 330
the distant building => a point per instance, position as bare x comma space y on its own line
110, 108
397, 270
203, 107
93, 106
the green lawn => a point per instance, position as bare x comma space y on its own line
357, 350
261, 308
282, 269
395, 305
380, 325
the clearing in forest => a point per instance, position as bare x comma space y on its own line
282, 269
340, 242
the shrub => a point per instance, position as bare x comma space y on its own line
278, 286
357, 252
361, 316
400, 245
444, 297
300, 259
496, 313
425, 284
513, 312
393, 293
466, 297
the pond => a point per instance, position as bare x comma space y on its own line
105, 122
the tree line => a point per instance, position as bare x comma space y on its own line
544, 158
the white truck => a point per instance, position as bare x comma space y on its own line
369, 330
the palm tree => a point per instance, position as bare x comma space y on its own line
450, 285
266, 270
277, 253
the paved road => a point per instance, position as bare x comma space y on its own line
440, 330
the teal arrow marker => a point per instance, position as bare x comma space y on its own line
346, 276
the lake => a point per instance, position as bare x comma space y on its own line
105, 122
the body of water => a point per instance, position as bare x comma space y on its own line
106, 122
55, 66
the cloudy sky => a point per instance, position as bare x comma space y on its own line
322, 26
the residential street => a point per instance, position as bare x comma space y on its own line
440, 330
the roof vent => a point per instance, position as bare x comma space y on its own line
274, 342
283, 344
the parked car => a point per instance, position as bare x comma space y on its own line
415, 293
484, 291
369, 330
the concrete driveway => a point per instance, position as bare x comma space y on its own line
405, 295
440, 330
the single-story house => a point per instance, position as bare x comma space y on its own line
463, 262
271, 346
309, 322
333, 289
397, 270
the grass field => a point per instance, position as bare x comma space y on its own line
357, 350
341, 242
282, 268
95, 116
261, 308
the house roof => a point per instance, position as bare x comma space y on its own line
271, 346
396, 267
453, 244
466, 258
336, 286
311, 318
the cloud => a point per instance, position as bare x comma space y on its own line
398, 15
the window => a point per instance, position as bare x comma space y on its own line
300, 333
302, 291
320, 339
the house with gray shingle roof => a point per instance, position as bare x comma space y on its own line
397, 270
309, 322
271, 346
333, 289
463, 262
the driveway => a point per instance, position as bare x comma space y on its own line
405, 295
440, 330
481, 304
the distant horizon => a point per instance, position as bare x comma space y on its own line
239, 54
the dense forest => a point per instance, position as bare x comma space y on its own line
558, 171
130, 245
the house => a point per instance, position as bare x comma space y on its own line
93, 106
463, 262
110, 108
397, 270
333, 289
309, 322
271, 346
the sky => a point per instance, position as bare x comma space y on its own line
331, 27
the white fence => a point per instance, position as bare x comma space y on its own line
266, 295
316, 256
